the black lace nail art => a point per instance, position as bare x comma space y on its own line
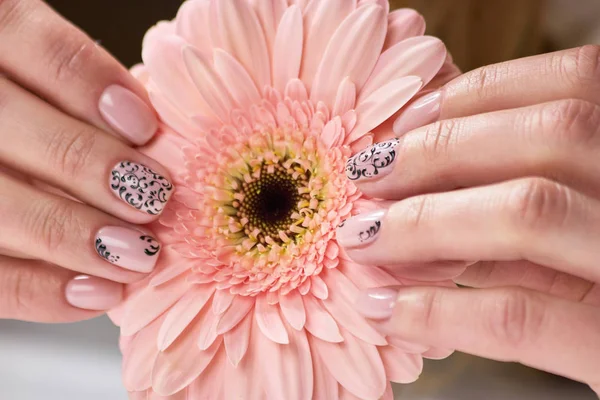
373, 161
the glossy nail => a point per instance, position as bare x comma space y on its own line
91, 293
422, 112
377, 303
128, 248
360, 230
140, 187
128, 114
374, 162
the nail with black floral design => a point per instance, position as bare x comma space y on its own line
128, 248
373, 162
140, 187
360, 230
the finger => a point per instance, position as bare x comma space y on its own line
73, 235
60, 63
557, 140
532, 219
534, 329
46, 144
574, 74
491, 274
40, 292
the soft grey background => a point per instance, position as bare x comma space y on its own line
82, 362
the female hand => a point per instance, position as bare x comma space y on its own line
509, 176
68, 115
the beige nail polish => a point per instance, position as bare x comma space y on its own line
361, 229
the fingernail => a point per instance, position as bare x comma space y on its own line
374, 162
128, 114
127, 248
91, 293
140, 187
422, 112
377, 303
360, 230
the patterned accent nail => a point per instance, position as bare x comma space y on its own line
127, 248
360, 230
140, 187
373, 162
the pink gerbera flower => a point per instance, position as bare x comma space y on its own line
262, 103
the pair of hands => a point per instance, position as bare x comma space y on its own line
509, 178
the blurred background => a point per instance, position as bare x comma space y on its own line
82, 362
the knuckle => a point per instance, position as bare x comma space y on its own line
573, 121
50, 221
536, 204
439, 137
428, 315
587, 64
417, 211
69, 51
11, 13
70, 150
17, 291
515, 317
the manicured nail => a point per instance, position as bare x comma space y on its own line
127, 248
373, 162
377, 303
140, 187
422, 112
360, 230
128, 114
91, 293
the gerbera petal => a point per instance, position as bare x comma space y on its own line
383, 103
269, 13
356, 365
150, 303
345, 98
192, 24
292, 308
321, 19
237, 30
222, 301
352, 52
139, 359
178, 366
171, 115
237, 339
389, 392
319, 322
165, 148
209, 84
407, 347
402, 24
182, 314
174, 270
269, 321
237, 80
325, 384
207, 333
240, 306
287, 52
210, 384
401, 367
421, 56
365, 277
332, 133
436, 353
319, 288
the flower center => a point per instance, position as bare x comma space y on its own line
269, 202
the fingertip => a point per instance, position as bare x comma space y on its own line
92, 293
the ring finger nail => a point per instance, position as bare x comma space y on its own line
373, 162
140, 187
361, 229
127, 248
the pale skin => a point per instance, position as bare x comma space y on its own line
508, 177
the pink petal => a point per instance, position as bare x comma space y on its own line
290, 367
319, 288
402, 24
180, 364
437, 354
296, 90
209, 84
150, 303
210, 384
237, 30
269, 321
269, 13
237, 80
383, 103
326, 386
321, 18
319, 322
166, 148
287, 52
222, 301
139, 359
207, 333
237, 339
407, 347
192, 23
356, 365
345, 98
401, 367
352, 52
292, 309
421, 56
389, 392
171, 115
182, 314
172, 271
332, 133
365, 277
347, 395
239, 308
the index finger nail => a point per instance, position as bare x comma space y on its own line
422, 112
